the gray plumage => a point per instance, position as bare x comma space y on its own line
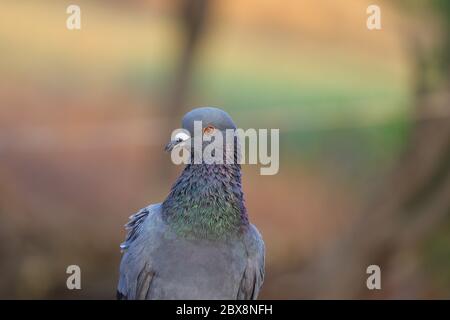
198, 243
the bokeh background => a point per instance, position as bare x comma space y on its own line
363, 118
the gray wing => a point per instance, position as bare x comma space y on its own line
136, 271
253, 276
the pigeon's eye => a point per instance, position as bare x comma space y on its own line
208, 130
181, 136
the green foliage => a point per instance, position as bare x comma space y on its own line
443, 8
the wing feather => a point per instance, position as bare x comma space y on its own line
136, 271
253, 276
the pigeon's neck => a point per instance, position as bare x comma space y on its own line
207, 201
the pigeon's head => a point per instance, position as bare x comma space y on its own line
211, 119
204, 121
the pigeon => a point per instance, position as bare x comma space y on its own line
198, 243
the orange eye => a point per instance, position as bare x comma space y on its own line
208, 130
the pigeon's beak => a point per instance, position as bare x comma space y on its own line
181, 139
177, 144
171, 145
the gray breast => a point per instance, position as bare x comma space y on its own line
197, 269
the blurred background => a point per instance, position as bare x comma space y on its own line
364, 119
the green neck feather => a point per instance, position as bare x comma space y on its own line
207, 202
